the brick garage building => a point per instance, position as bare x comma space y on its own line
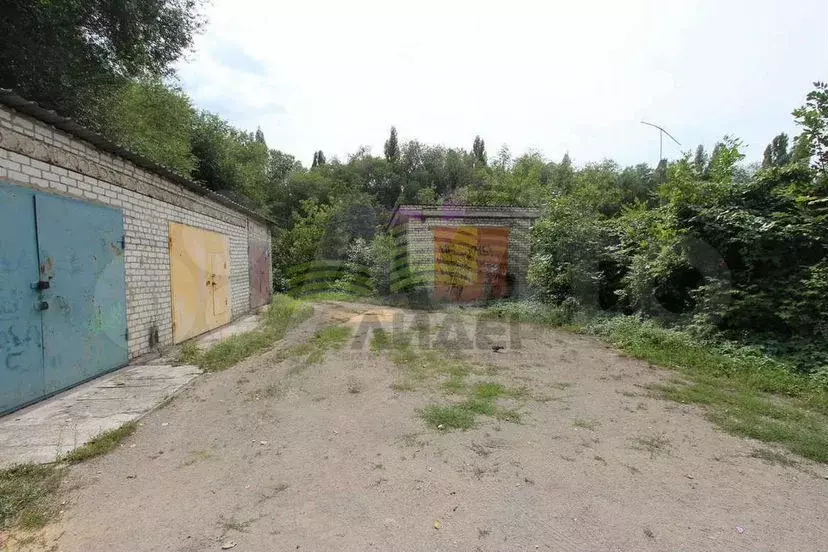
465, 253
91, 272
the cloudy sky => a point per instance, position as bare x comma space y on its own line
573, 76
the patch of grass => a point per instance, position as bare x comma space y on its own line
102, 444
301, 349
761, 416
454, 416
425, 366
190, 353
314, 350
533, 312
489, 390
422, 367
333, 296
454, 385
582, 423
476, 405
380, 340
463, 415
27, 495
333, 337
283, 313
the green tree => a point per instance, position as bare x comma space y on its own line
212, 149
776, 153
260, 137
318, 159
392, 149
71, 55
700, 160
479, 151
813, 117
281, 167
155, 120
229, 159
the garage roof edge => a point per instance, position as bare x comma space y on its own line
13, 101
462, 211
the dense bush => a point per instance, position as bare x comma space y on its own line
705, 243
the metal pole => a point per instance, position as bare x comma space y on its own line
661, 133
660, 145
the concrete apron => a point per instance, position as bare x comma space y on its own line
43, 432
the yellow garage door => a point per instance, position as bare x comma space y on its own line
200, 278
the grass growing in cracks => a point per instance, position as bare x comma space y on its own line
283, 314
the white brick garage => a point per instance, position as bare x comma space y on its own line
43, 151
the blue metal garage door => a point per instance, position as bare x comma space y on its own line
66, 276
21, 343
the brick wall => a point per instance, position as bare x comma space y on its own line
38, 156
418, 234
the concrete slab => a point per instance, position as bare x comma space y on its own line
44, 431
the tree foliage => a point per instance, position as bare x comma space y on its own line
154, 120
70, 55
706, 243
392, 148
479, 151
702, 241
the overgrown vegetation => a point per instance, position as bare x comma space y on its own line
28, 491
26, 495
724, 251
283, 313
102, 444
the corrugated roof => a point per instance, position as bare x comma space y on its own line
10, 99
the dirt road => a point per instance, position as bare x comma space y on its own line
279, 453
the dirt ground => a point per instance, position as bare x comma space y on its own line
273, 454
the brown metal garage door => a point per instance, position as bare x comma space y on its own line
471, 262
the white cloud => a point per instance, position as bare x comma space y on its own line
554, 76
